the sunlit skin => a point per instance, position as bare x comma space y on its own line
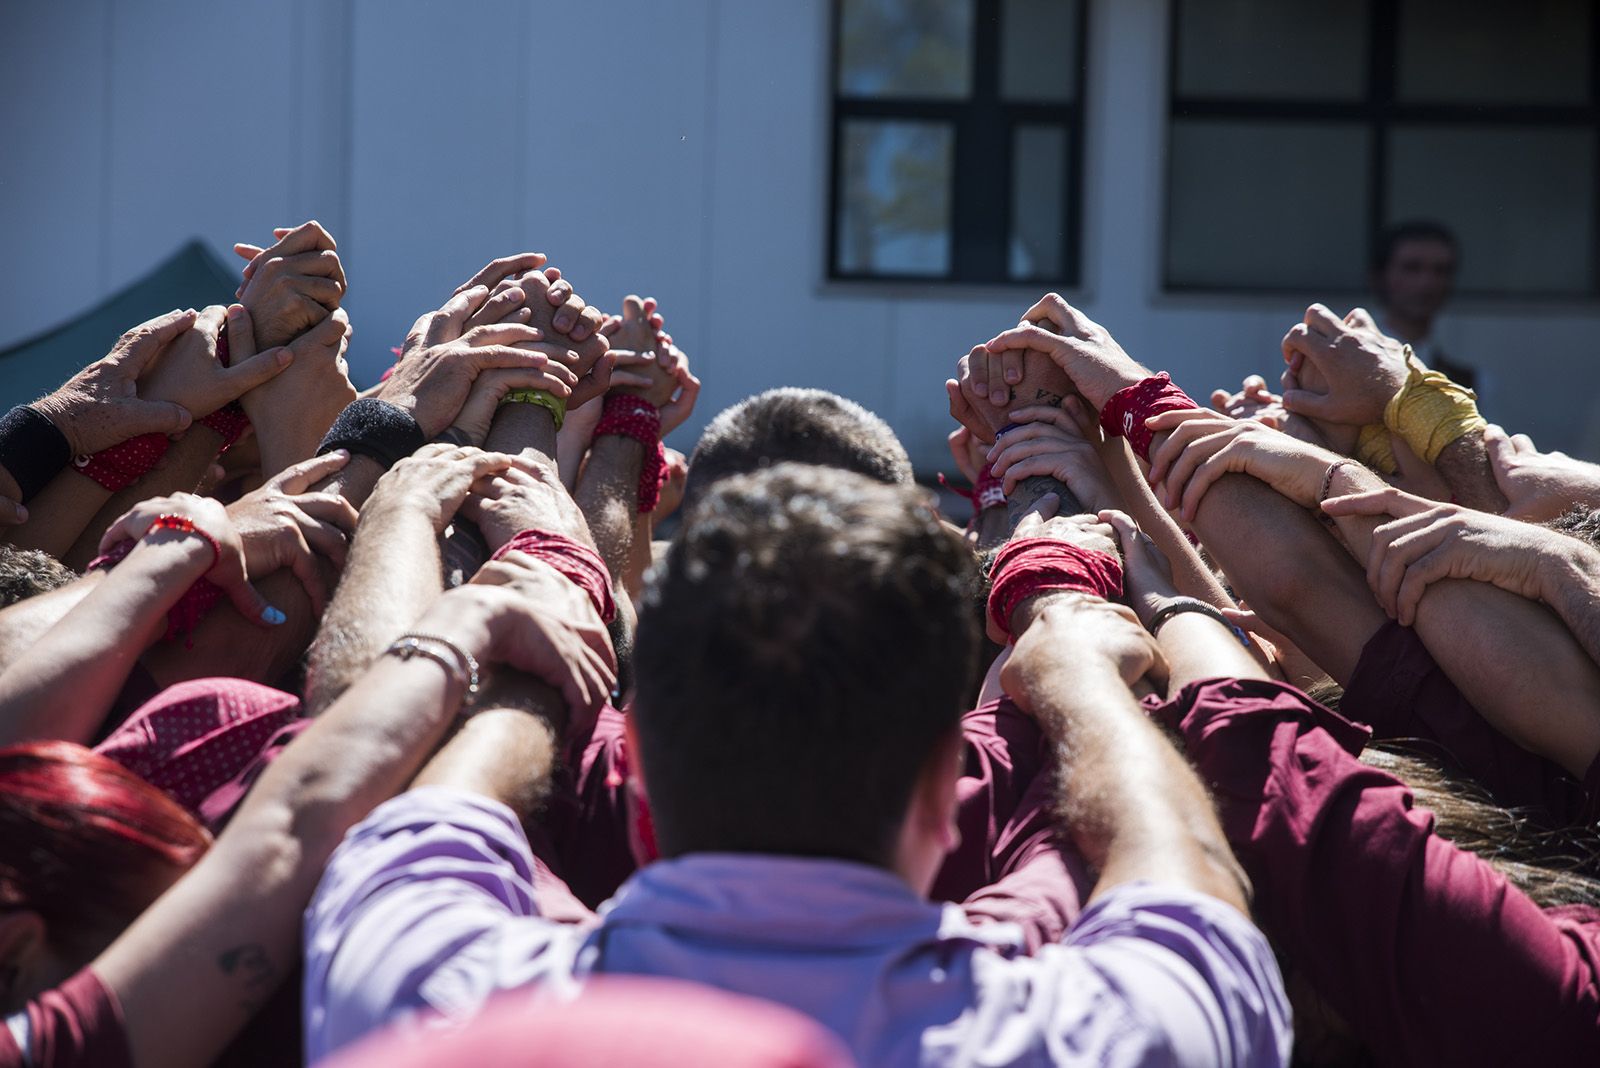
1415, 285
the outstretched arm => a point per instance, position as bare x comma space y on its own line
1437, 958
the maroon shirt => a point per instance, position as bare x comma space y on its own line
1399, 691
1426, 951
77, 1025
1009, 867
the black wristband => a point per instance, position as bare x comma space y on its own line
374, 428
32, 448
1179, 605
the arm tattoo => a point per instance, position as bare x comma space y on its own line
1030, 489
253, 969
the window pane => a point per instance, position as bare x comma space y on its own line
1491, 51
1267, 205
1274, 49
894, 210
1038, 202
1039, 50
1520, 200
905, 48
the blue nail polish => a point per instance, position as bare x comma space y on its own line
271, 615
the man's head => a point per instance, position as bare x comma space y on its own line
27, 573
802, 668
807, 426
1414, 270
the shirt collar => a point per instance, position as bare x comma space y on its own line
780, 901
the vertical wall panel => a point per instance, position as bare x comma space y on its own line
52, 161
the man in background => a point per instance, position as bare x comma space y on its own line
1413, 274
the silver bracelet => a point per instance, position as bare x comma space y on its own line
461, 665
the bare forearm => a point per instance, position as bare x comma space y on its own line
393, 574
1198, 647
1190, 575
59, 514
525, 429
1513, 659
506, 752
1573, 590
179, 471
608, 493
90, 651
1284, 565
1464, 466
236, 915
1130, 801
1027, 494
994, 527
640, 556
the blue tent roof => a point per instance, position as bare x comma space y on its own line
191, 278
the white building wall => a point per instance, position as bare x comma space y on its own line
677, 147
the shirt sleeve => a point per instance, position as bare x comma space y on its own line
77, 1025
1184, 975
1042, 880
1425, 950
399, 923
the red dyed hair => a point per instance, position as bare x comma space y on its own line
84, 842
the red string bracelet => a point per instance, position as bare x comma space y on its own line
125, 463
625, 415
184, 616
1029, 566
987, 492
185, 525
580, 564
229, 421
1126, 411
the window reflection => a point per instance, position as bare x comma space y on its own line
894, 213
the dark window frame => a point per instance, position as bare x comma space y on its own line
1380, 111
983, 128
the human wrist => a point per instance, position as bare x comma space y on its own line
63, 410
1036, 608
1567, 565
469, 618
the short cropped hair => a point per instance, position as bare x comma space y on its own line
804, 648
1391, 237
808, 426
26, 573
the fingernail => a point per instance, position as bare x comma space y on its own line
343, 454
285, 357
22, 513
271, 615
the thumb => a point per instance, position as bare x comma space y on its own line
151, 417
1046, 507
1123, 524
12, 512
254, 607
1501, 451
1305, 402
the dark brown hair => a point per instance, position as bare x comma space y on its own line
802, 650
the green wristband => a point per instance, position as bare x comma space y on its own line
543, 398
